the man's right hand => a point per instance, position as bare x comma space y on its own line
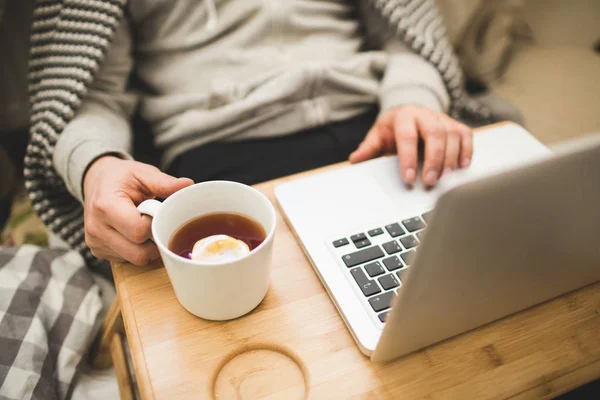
114, 229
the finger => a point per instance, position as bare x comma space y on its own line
123, 216
433, 132
106, 254
407, 143
138, 254
453, 143
96, 244
112, 256
158, 183
371, 147
466, 140
466, 149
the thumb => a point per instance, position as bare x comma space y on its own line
159, 183
370, 147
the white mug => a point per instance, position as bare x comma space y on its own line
215, 291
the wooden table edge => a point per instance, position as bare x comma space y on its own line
590, 370
140, 366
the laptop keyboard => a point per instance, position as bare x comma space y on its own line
377, 270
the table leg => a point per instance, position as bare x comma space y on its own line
121, 369
111, 326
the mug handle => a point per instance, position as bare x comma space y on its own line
149, 207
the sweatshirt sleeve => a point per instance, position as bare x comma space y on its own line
409, 79
102, 123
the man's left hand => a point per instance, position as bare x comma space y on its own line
448, 143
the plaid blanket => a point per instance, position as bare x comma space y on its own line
49, 305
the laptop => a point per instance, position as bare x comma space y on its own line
407, 268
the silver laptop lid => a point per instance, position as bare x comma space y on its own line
499, 245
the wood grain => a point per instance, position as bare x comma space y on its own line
112, 324
121, 370
537, 353
261, 371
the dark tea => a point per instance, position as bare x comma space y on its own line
237, 226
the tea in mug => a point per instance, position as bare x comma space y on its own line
217, 237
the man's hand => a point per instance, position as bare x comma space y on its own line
114, 228
448, 143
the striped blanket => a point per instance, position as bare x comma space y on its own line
49, 306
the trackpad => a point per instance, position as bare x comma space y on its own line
335, 201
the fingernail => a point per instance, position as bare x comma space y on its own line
185, 180
410, 175
447, 171
466, 162
431, 177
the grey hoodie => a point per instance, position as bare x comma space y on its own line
237, 69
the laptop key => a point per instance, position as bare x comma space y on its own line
358, 237
420, 235
362, 256
382, 301
366, 285
413, 224
374, 269
392, 263
340, 242
392, 247
427, 216
402, 274
409, 242
407, 257
388, 282
394, 230
383, 316
375, 232
362, 243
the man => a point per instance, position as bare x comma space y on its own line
246, 90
